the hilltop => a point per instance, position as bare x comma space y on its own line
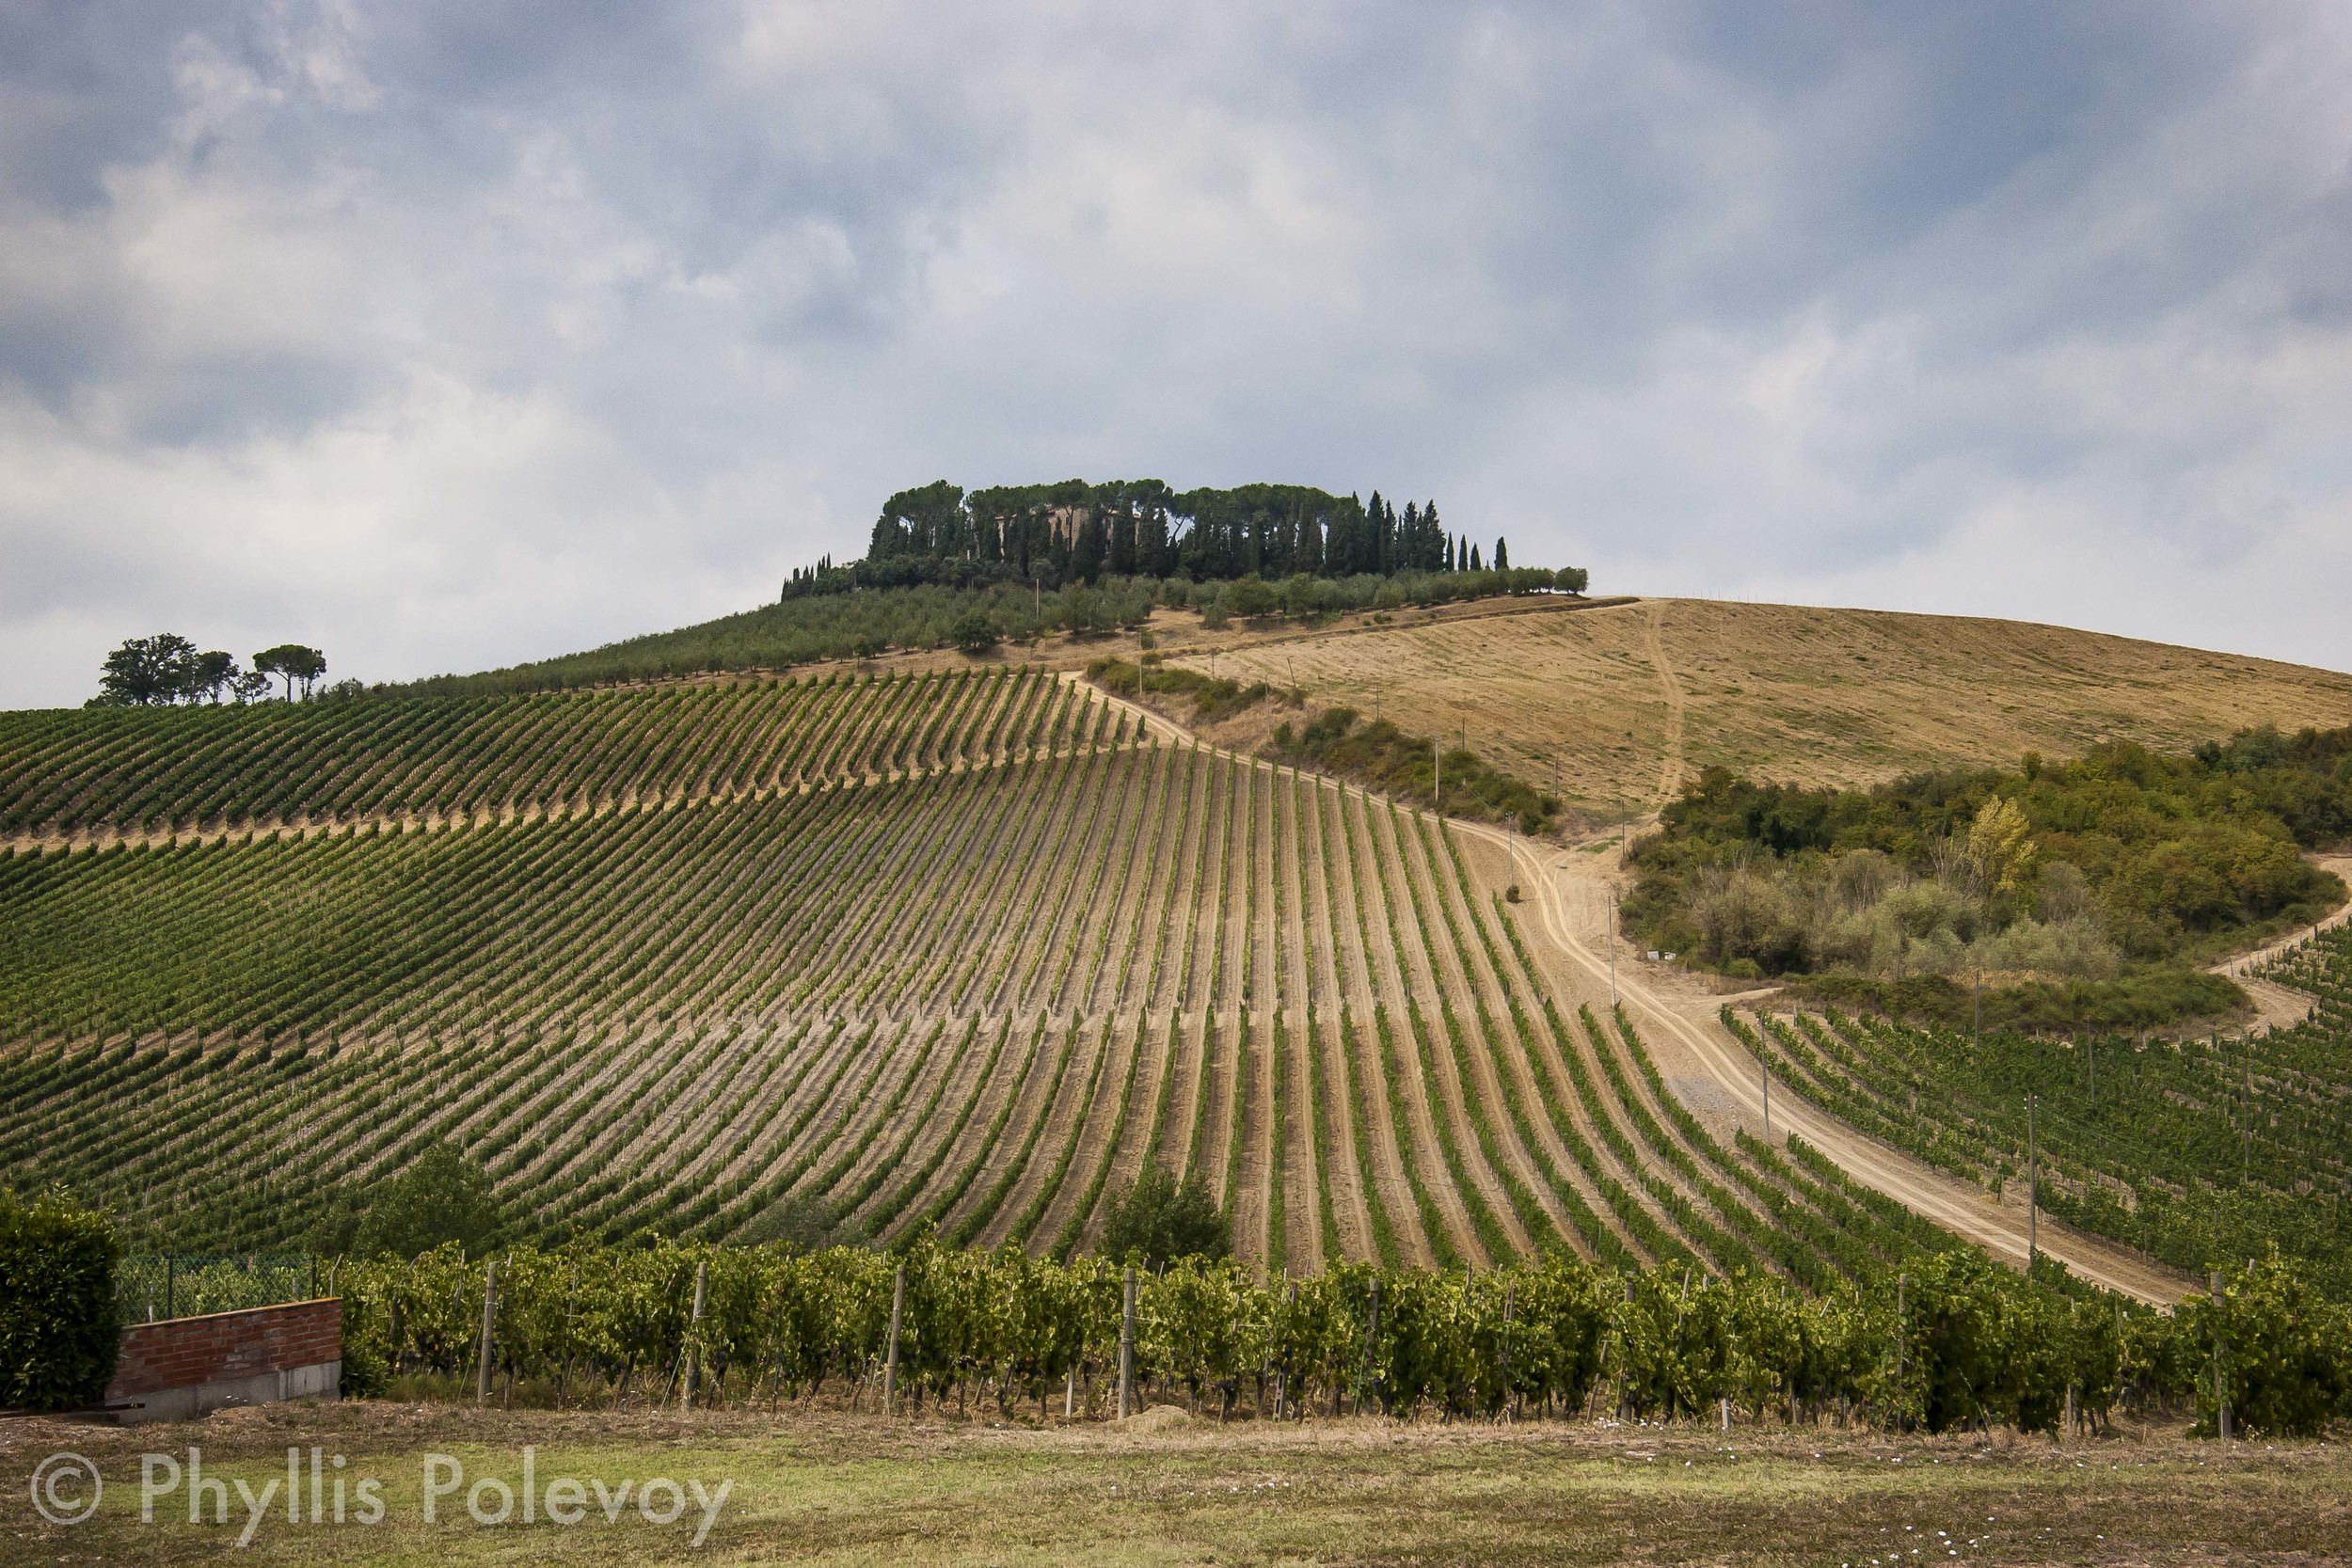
1630, 699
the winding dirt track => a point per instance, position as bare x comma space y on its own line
1556, 880
1670, 686
2277, 1006
1572, 891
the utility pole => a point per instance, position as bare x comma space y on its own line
1437, 773
2033, 1177
2246, 1172
1977, 1030
1768, 1099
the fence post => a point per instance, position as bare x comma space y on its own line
890, 1359
1127, 1344
171, 1267
694, 1338
489, 1306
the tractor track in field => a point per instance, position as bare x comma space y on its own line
1670, 766
1486, 987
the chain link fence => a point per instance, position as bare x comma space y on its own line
150, 1285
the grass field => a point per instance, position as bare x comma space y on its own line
1627, 699
829, 1488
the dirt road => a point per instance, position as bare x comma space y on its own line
1572, 891
2279, 1007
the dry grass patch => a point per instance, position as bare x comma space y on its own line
1779, 692
829, 1488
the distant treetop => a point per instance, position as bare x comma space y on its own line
1077, 531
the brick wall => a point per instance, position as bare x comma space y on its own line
184, 1353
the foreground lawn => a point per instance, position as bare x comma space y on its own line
829, 1488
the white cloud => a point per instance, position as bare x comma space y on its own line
446, 337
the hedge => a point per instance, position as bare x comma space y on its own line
59, 1326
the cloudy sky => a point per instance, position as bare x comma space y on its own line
444, 335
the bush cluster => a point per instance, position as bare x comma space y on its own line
59, 1324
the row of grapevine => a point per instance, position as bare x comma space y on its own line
2196, 1151
1952, 1342
979, 998
162, 770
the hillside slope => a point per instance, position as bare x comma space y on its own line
952, 982
1627, 699
960, 945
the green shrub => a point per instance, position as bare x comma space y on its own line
2148, 999
59, 1326
1157, 1220
2280, 1352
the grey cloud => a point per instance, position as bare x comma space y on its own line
497, 329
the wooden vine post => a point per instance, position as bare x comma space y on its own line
890, 1358
490, 1310
1506, 1350
693, 1337
2220, 1380
1127, 1344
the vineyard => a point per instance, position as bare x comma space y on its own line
1956, 1342
113, 773
821, 960
2192, 1152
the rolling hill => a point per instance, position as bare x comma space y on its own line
934, 944
1628, 699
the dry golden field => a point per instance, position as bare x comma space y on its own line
1628, 699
